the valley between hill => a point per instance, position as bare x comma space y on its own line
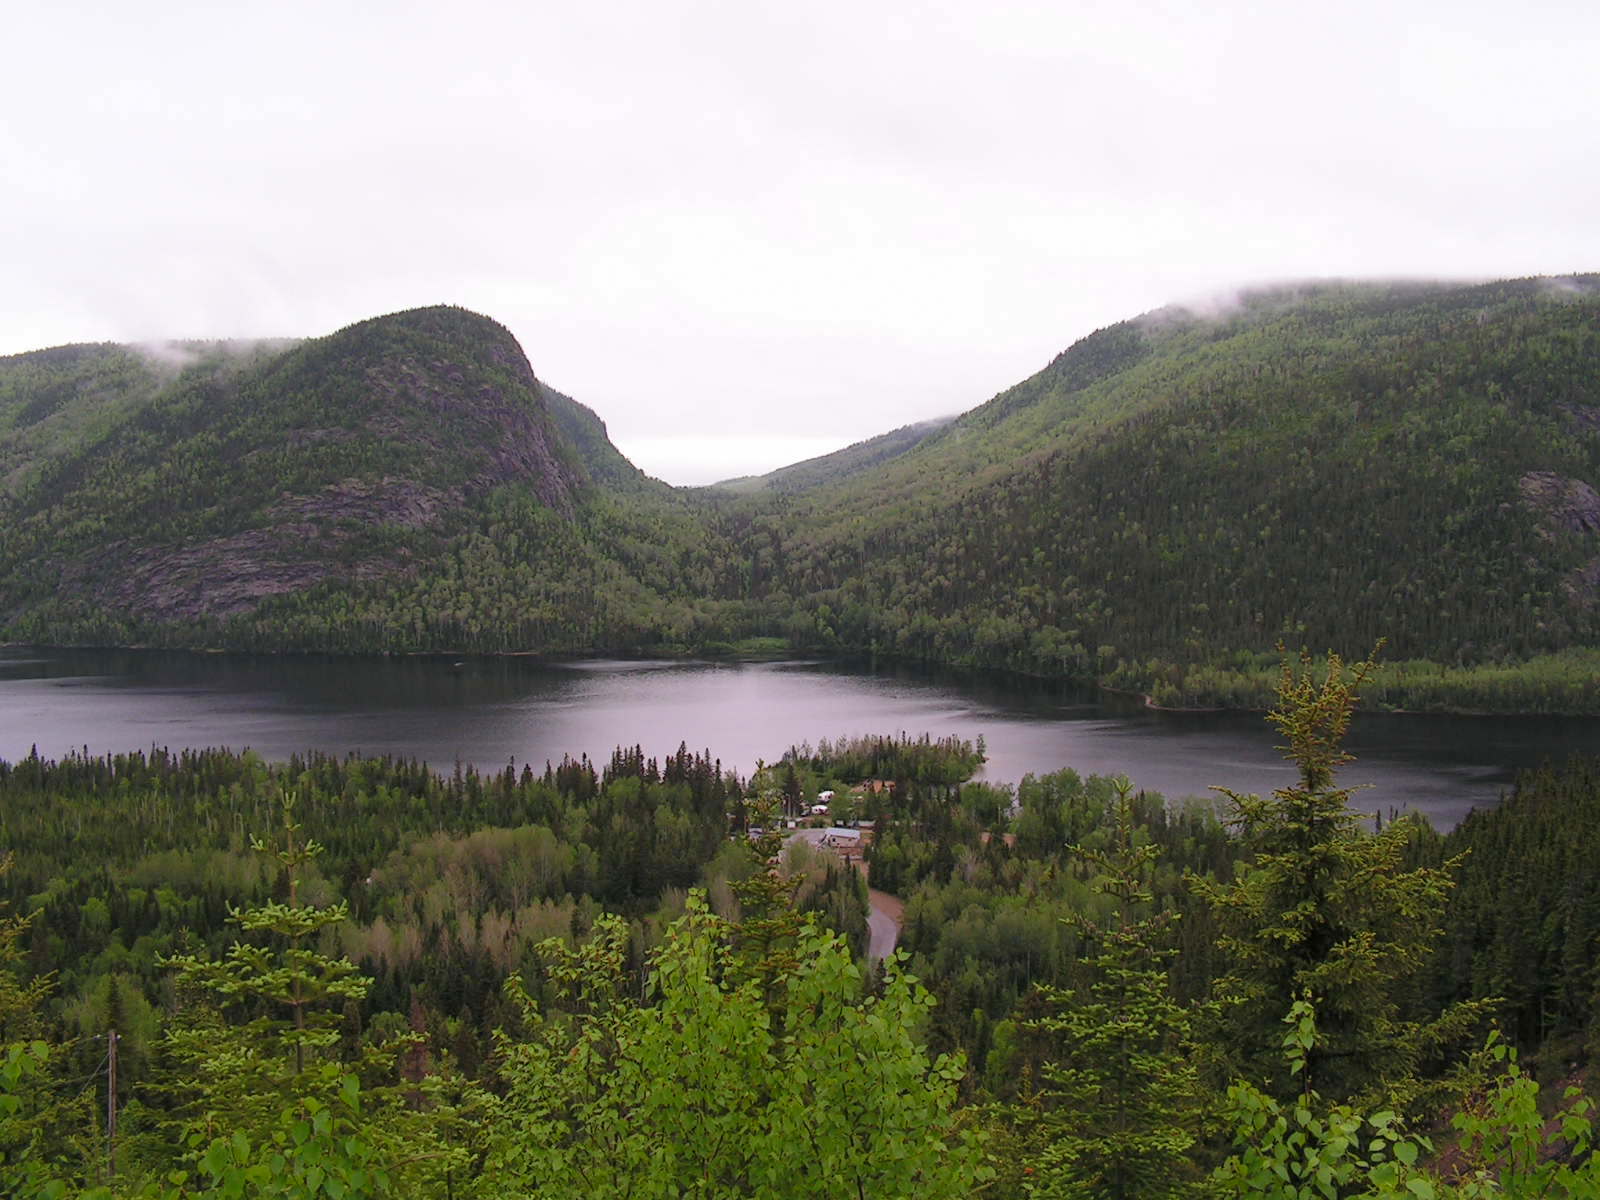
1156, 509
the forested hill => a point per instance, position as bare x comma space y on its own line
1327, 464
843, 464
404, 483
1169, 497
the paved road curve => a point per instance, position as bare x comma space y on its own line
884, 915
883, 924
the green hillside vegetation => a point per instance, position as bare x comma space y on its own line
405, 483
49, 398
52, 401
855, 459
1155, 510
586, 434
1320, 466
360, 978
1525, 918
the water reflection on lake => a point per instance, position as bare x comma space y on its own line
486, 712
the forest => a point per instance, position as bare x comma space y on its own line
1154, 511
360, 977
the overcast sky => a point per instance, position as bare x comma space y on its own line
745, 232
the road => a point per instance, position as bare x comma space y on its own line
884, 919
884, 914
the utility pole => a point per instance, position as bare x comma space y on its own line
111, 1104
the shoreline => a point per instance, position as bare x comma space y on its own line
1145, 700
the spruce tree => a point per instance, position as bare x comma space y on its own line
293, 993
270, 1102
1115, 1112
765, 936
1323, 910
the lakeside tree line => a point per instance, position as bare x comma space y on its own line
1154, 510
1167, 497
364, 978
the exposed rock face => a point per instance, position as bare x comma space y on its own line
1569, 505
225, 576
389, 501
427, 406
221, 577
403, 422
1565, 503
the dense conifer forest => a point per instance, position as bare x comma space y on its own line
221, 976
1173, 494
1155, 510
356, 977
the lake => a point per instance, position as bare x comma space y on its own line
487, 712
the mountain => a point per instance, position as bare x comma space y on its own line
1324, 464
835, 468
405, 482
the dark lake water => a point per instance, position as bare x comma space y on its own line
486, 712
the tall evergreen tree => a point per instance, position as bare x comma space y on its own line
1115, 1112
289, 977
1323, 909
270, 1102
765, 936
